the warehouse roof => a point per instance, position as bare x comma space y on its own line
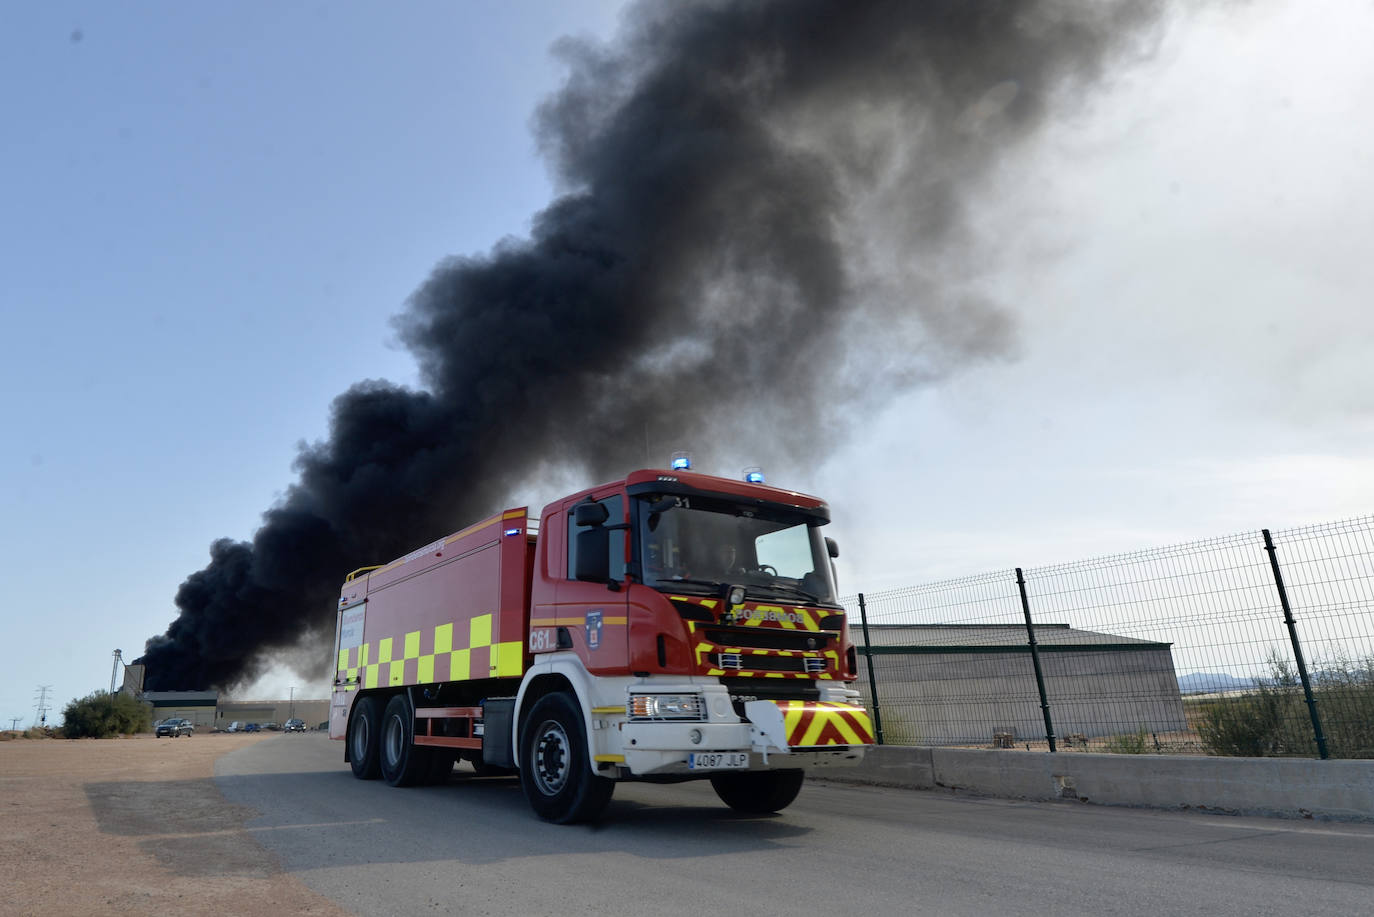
994, 637
181, 698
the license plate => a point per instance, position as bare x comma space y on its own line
716, 760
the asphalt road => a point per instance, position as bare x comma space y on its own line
473, 847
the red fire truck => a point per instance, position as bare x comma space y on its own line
668, 626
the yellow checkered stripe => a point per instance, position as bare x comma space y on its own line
432, 657
815, 724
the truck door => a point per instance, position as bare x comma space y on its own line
594, 614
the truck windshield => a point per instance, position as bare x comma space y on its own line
698, 545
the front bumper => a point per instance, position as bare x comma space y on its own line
774, 734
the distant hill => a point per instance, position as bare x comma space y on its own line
1208, 682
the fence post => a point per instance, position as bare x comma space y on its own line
1297, 647
1035, 659
872, 679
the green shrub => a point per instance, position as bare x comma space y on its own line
1344, 691
1246, 726
1130, 743
99, 716
896, 730
1274, 719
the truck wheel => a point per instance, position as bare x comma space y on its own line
363, 730
555, 772
402, 763
758, 792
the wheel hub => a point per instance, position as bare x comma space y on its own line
360, 738
394, 740
552, 755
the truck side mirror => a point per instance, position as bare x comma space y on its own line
590, 514
831, 547
593, 563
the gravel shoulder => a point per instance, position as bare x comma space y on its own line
134, 826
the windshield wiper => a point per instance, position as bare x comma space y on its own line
790, 590
686, 579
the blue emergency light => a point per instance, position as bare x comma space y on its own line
681, 461
753, 475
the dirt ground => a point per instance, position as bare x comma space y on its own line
133, 826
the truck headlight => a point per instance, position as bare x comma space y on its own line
664, 707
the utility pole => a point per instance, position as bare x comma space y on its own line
14, 723
42, 705
291, 714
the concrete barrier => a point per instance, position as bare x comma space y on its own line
1284, 787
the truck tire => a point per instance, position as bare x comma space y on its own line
555, 772
363, 731
758, 792
403, 764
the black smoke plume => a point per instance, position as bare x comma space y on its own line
762, 228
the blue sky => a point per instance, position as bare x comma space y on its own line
212, 213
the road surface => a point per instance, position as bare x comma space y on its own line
472, 846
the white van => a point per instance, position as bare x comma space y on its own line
235, 726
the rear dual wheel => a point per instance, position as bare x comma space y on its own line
402, 763
381, 743
364, 751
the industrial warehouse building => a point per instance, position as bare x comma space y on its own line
975, 684
196, 706
208, 712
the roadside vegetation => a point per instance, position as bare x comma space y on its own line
1130, 743
1274, 720
33, 732
100, 716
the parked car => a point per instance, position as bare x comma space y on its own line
294, 725
252, 727
235, 726
272, 726
174, 727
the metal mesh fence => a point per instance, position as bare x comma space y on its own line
1224, 646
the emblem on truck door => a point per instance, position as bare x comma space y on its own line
594, 629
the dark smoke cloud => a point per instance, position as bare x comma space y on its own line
760, 198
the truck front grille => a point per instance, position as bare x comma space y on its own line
738, 661
769, 639
743, 690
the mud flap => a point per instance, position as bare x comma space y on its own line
767, 730
781, 727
